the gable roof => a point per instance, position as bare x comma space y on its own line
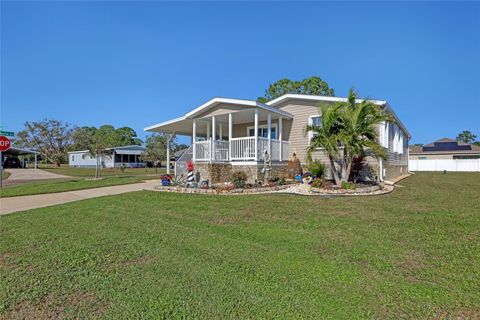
248, 103
213, 103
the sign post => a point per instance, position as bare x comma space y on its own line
4, 146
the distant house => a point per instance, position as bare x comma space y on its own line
445, 149
127, 156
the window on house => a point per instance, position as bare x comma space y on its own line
73, 157
384, 131
397, 140
83, 156
313, 121
263, 131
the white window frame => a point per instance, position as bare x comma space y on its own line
398, 140
264, 126
310, 122
384, 134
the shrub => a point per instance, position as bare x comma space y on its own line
348, 185
357, 165
122, 168
238, 179
317, 168
317, 183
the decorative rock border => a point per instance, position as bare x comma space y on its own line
363, 190
222, 191
299, 189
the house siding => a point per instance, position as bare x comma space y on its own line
395, 165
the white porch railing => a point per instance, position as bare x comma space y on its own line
203, 150
242, 149
209, 150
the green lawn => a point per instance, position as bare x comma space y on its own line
5, 174
414, 253
90, 172
61, 185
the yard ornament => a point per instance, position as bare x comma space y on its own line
294, 167
190, 179
267, 167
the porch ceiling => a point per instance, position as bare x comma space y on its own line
242, 110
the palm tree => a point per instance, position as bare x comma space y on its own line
346, 130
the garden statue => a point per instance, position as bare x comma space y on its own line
294, 167
267, 167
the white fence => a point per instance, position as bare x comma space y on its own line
467, 165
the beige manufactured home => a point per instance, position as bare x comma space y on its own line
233, 134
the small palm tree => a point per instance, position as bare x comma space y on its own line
346, 130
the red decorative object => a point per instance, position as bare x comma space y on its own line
190, 166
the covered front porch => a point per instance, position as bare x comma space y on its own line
239, 136
232, 130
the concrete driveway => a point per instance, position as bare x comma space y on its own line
19, 176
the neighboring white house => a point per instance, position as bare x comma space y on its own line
128, 156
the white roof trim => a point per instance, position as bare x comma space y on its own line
163, 123
337, 99
250, 103
316, 98
209, 104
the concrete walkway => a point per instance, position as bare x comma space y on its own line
19, 176
14, 204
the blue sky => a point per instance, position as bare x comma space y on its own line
139, 63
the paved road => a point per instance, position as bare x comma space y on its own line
14, 204
19, 176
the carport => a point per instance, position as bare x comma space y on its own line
14, 151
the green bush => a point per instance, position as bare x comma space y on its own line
317, 183
316, 168
238, 178
349, 185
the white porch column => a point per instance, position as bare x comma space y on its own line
269, 133
214, 137
220, 131
280, 129
256, 134
35, 161
213, 128
169, 138
230, 136
168, 154
208, 130
194, 139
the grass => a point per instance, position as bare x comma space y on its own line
5, 174
61, 185
414, 253
107, 172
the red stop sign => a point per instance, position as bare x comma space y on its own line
4, 143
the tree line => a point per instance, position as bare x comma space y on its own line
54, 138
